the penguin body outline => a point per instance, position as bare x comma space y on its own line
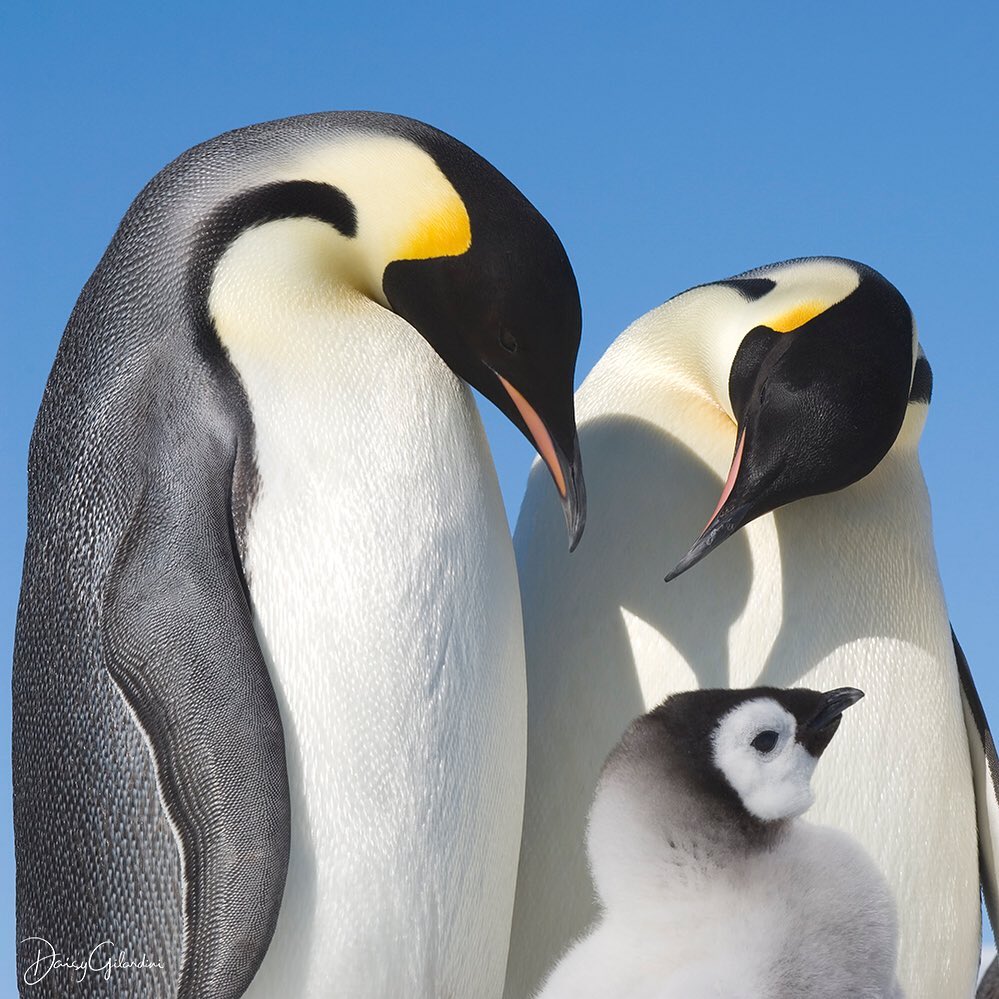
149, 481
827, 585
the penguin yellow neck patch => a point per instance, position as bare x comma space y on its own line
446, 232
798, 316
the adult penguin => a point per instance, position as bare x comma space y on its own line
269, 602
802, 388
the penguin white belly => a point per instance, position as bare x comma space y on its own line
861, 604
386, 601
831, 591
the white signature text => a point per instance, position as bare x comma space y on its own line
101, 960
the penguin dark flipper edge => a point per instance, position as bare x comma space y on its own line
985, 773
180, 647
150, 785
988, 987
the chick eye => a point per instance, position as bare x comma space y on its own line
765, 741
508, 342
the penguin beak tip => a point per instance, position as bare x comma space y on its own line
834, 703
721, 527
574, 503
564, 466
691, 558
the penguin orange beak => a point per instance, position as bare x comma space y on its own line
723, 523
566, 470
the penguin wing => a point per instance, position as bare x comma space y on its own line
988, 987
180, 645
985, 771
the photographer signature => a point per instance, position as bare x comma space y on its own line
101, 960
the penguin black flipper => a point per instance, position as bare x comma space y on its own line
985, 771
988, 987
180, 646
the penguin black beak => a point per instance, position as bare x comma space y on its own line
574, 498
723, 526
834, 703
816, 733
724, 522
566, 470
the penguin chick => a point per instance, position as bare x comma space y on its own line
710, 885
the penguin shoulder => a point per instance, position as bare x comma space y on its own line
840, 925
834, 873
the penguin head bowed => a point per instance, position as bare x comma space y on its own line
414, 220
817, 363
504, 312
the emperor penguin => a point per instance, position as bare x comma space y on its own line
798, 392
269, 694
709, 884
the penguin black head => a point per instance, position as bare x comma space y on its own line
826, 363
751, 751
421, 224
504, 314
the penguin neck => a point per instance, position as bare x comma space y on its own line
289, 305
662, 846
907, 443
276, 278
331, 377
683, 347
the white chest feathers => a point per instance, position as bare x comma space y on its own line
812, 917
385, 596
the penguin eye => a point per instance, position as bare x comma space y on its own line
508, 342
765, 741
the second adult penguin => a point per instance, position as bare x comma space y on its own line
269, 591
790, 400
710, 886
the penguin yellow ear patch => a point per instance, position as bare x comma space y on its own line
445, 232
798, 316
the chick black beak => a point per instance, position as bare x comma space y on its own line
834, 703
816, 733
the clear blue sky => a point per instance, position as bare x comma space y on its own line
667, 144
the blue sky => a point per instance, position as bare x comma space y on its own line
667, 144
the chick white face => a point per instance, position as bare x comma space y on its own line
756, 749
